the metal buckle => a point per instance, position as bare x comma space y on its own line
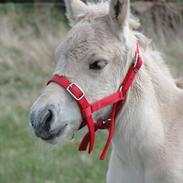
121, 88
106, 121
136, 59
72, 94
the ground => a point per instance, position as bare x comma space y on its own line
28, 37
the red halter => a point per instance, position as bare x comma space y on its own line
117, 100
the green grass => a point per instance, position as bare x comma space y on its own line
24, 159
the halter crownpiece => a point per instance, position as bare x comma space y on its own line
87, 109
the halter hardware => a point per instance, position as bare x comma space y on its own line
69, 89
117, 100
136, 59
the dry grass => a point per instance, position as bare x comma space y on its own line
26, 51
163, 23
36, 41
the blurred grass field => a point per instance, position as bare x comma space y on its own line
28, 37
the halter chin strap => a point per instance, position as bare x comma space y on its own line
87, 109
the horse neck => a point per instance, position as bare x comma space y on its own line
142, 113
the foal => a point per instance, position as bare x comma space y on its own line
96, 54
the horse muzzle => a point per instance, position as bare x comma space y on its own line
42, 121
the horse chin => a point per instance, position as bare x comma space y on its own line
63, 136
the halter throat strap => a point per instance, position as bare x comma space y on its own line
117, 100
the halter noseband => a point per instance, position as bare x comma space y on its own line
87, 109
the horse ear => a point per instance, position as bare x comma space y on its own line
119, 12
75, 8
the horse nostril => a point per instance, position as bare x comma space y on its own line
41, 121
47, 119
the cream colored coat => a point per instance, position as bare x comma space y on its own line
148, 140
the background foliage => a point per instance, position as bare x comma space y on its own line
28, 37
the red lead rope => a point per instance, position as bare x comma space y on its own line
117, 100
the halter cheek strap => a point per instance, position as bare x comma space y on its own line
79, 96
117, 100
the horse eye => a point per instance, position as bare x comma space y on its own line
98, 65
